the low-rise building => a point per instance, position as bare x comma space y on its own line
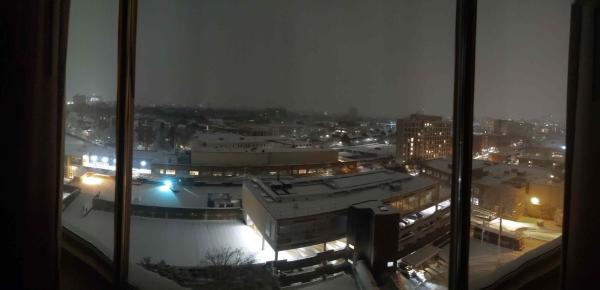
513, 189
299, 212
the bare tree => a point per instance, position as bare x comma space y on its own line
224, 257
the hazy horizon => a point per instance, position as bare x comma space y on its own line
386, 58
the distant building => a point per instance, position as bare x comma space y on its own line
423, 137
511, 187
228, 155
80, 99
441, 169
513, 129
235, 142
264, 157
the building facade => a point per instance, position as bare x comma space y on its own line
295, 213
423, 137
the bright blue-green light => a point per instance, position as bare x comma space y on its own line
166, 185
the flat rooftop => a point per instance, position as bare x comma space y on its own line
227, 138
315, 195
76, 146
504, 173
261, 150
445, 164
150, 194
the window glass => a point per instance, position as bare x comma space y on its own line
286, 140
519, 134
89, 153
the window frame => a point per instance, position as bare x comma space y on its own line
462, 138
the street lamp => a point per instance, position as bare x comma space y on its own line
536, 201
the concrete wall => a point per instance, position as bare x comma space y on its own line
265, 224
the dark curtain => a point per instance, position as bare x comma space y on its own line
32, 56
581, 251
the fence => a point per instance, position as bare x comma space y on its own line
173, 212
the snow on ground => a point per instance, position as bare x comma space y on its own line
177, 242
487, 261
146, 280
339, 282
186, 242
182, 243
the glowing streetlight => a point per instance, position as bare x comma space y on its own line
535, 201
91, 180
143, 163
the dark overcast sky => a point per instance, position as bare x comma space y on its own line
387, 58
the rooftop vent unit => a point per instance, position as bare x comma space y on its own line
396, 186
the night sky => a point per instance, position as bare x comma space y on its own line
387, 58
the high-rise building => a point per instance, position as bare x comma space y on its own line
423, 137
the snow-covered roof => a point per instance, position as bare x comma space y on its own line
75, 146
232, 138
445, 164
264, 150
421, 255
78, 147
377, 149
157, 194
504, 173
316, 195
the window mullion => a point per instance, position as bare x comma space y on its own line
124, 137
464, 83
